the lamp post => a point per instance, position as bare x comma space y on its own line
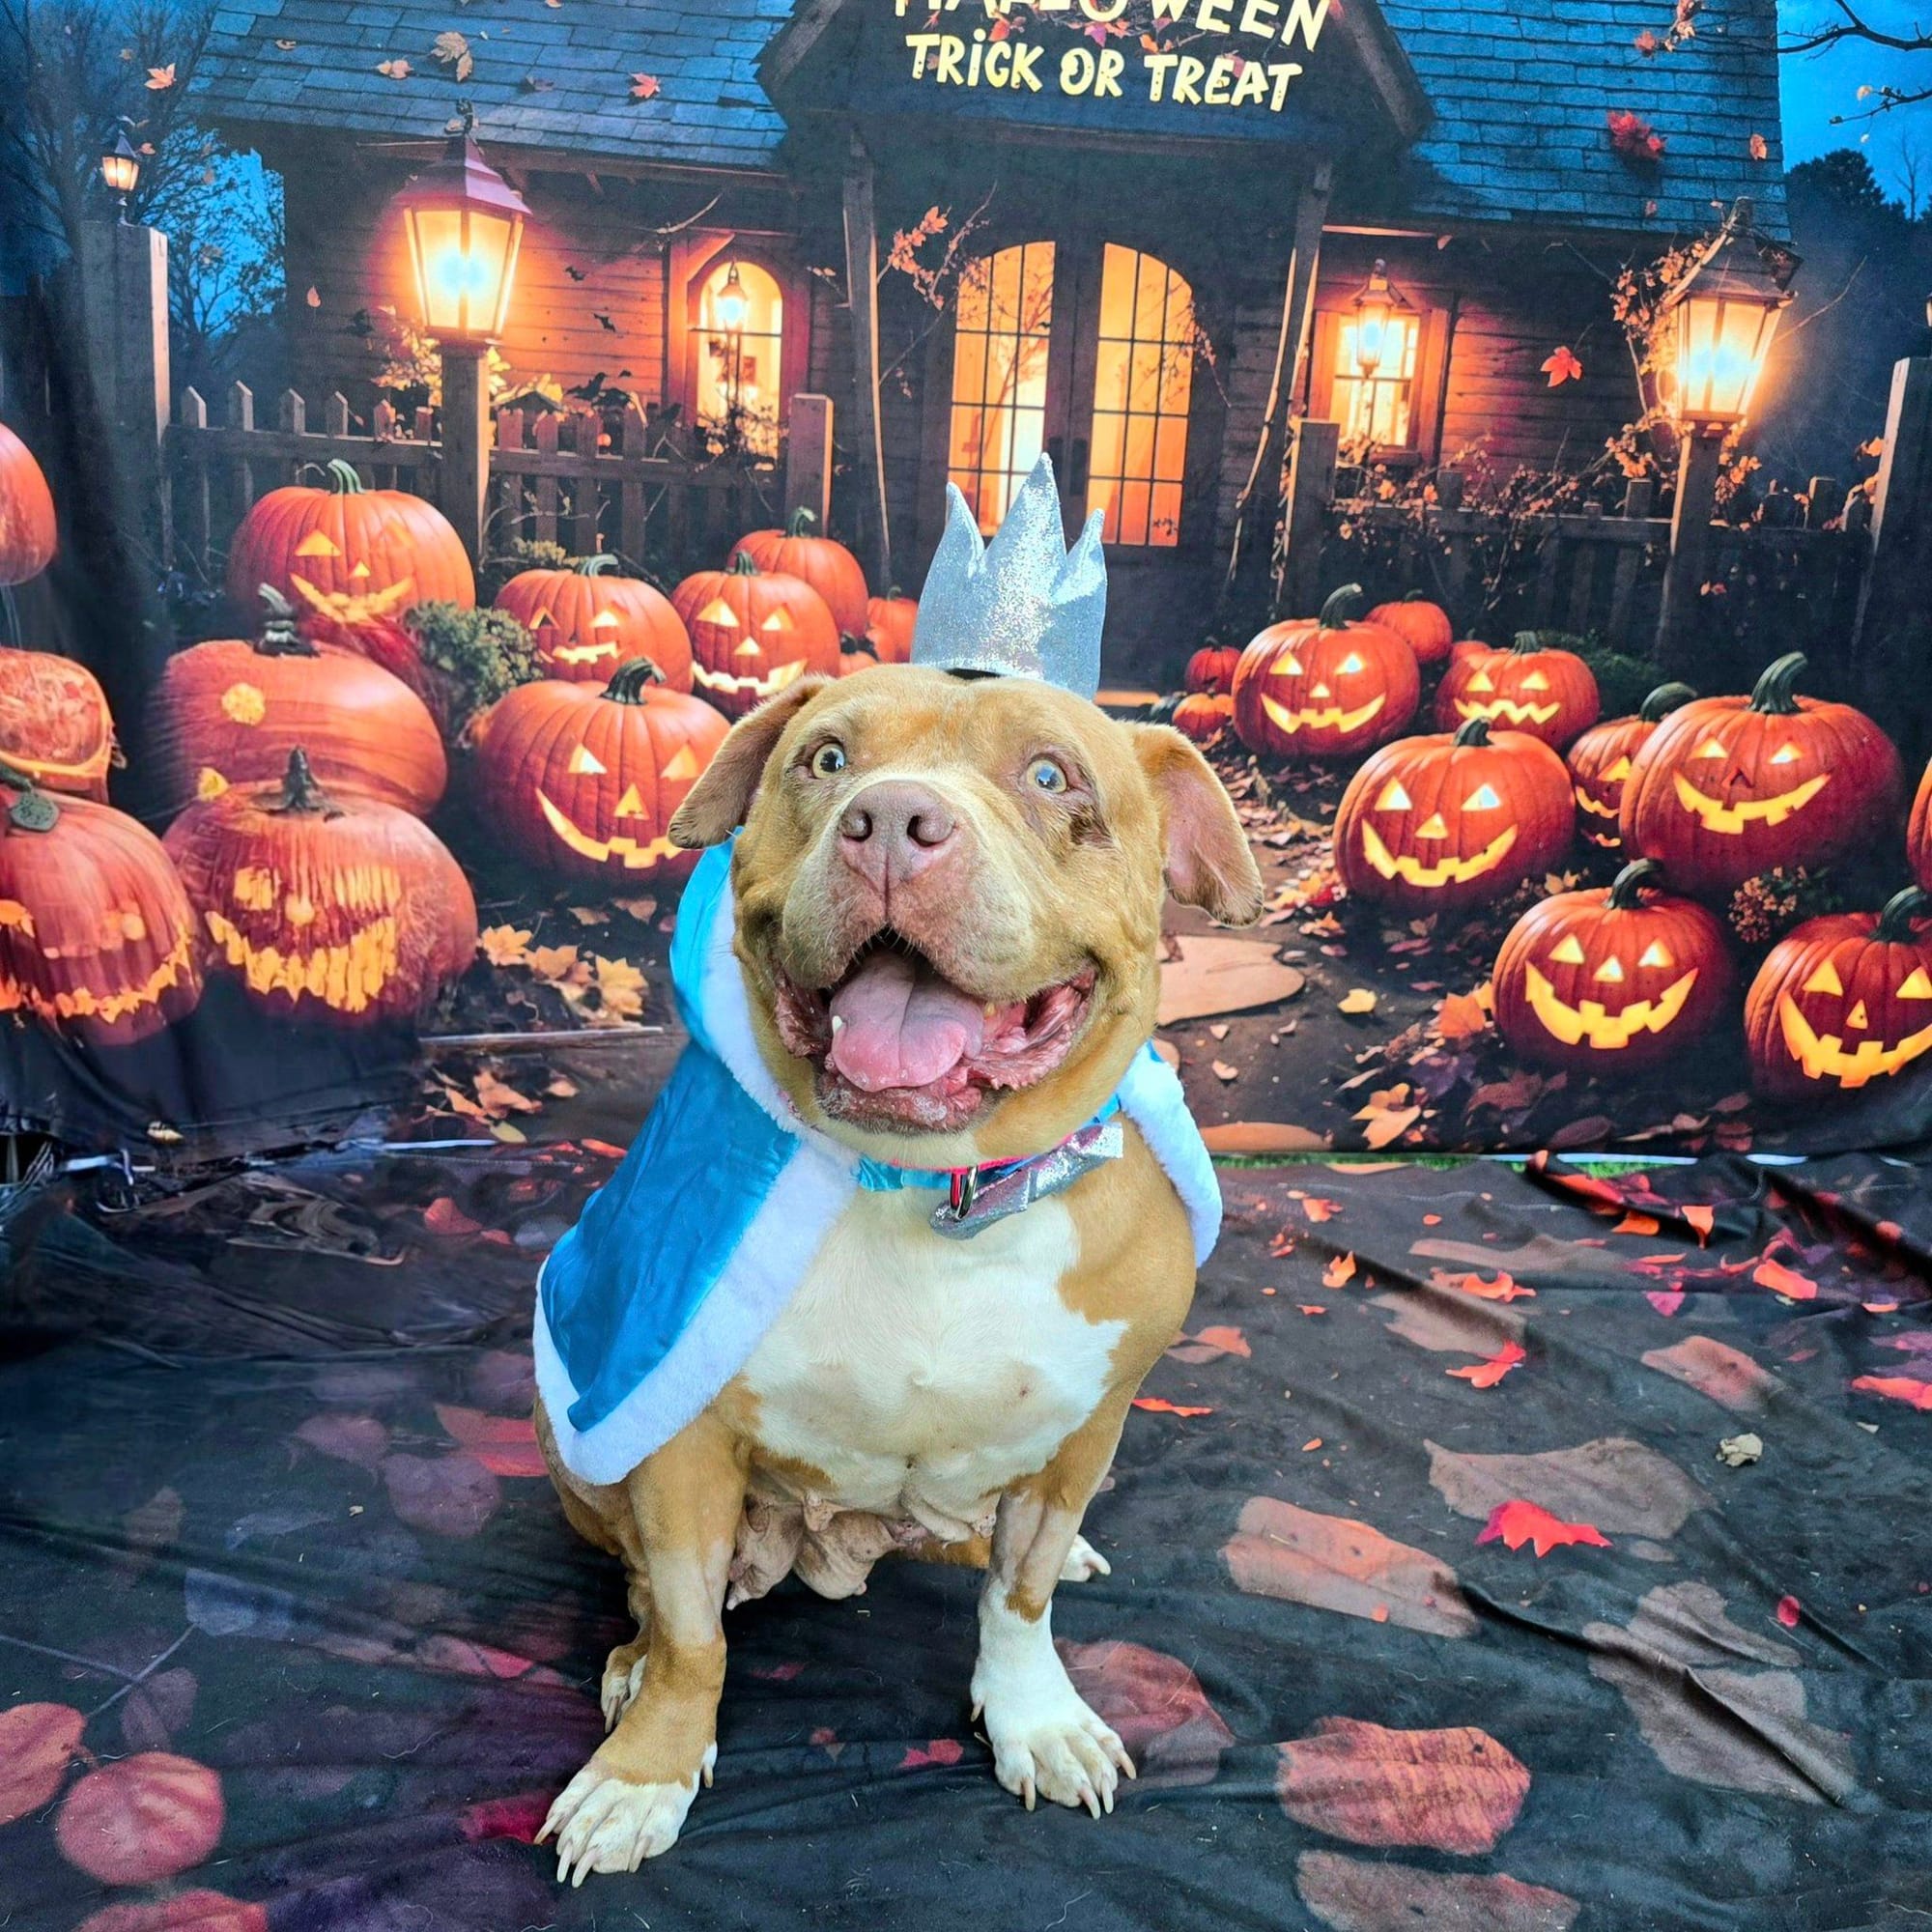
121, 169
1722, 326
464, 224
732, 310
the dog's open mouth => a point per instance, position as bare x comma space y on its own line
897, 1044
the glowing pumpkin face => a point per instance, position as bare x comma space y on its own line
1326, 688
1549, 694
1600, 761
590, 779
1611, 979
753, 633
1438, 823
586, 621
1727, 787
1843, 1001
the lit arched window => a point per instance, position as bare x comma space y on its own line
1002, 328
740, 346
1142, 384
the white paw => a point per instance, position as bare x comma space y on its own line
603, 1823
1065, 1755
1084, 1561
623, 1673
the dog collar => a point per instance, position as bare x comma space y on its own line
975, 1197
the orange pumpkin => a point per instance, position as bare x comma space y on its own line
27, 535
584, 782
1613, 978
229, 711
1325, 686
1436, 824
852, 660
890, 622
1918, 832
345, 541
1211, 669
1600, 761
827, 566
1728, 787
587, 621
1549, 694
754, 632
1204, 716
1843, 1001
54, 723
96, 937
342, 910
1423, 626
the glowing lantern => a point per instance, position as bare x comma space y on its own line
1378, 303
464, 224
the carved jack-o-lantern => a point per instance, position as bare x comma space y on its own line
1438, 823
1324, 689
1611, 979
1549, 694
753, 633
823, 562
586, 621
1843, 1001
96, 938
341, 910
1600, 761
1728, 787
586, 781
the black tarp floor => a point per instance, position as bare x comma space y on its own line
290, 1618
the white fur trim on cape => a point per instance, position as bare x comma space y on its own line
811, 1191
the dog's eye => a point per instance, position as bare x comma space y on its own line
1046, 774
829, 759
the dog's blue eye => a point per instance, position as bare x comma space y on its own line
1047, 775
828, 759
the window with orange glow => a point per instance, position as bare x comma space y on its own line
1001, 335
1143, 384
1379, 407
739, 367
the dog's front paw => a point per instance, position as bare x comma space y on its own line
1084, 1562
623, 1673
604, 1823
1064, 1754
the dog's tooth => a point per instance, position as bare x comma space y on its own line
838, 1022
992, 1009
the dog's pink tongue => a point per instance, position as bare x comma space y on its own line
897, 1023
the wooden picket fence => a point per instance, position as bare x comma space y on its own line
583, 481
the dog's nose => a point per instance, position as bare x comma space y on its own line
893, 831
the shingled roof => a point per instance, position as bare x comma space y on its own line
1521, 91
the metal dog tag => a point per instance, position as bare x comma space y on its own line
1013, 1192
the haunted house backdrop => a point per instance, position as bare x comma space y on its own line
356, 658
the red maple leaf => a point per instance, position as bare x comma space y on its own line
1632, 139
643, 87
1517, 1522
1562, 366
1487, 1373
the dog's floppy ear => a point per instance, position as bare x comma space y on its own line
715, 807
1209, 863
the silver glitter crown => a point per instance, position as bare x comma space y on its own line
1022, 606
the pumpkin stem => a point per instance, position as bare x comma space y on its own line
893, 592
302, 790
596, 566
801, 521
279, 637
1524, 643
1416, 597
1895, 922
1774, 694
1627, 887
1341, 607
344, 479
1475, 732
744, 564
1664, 701
630, 680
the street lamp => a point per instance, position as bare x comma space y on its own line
1377, 305
121, 169
464, 223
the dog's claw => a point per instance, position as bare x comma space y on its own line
604, 1823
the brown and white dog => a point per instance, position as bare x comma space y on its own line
948, 907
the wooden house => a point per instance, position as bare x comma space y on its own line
733, 202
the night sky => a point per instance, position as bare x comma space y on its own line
1818, 86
